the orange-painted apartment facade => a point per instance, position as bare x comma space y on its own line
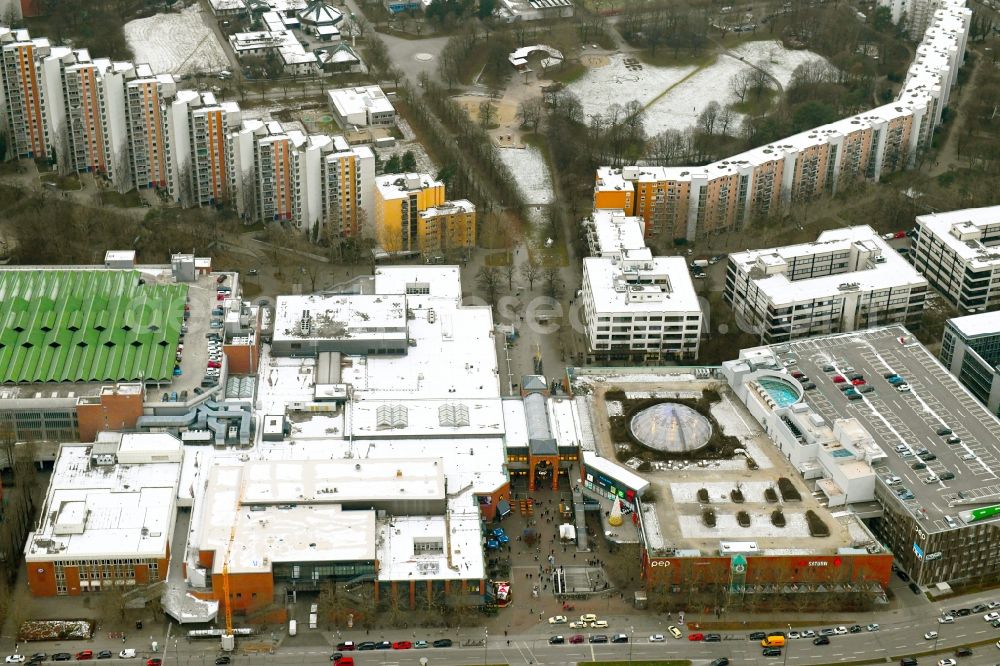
692, 202
147, 100
24, 98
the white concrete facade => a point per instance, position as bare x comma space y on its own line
846, 280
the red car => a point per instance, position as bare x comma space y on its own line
576, 638
839, 379
84, 654
899, 234
402, 645
155, 661
798, 373
858, 382
696, 637
214, 364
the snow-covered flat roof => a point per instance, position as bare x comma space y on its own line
442, 282
605, 274
961, 231
360, 99
399, 185
458, 418
337, 481
418, 547
473, 462
984, 323
515, 423
615, 471
613, 231
340, 317
268, 534
893, 272
101, 511
453, 357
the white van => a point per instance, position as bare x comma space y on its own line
293, 627
128, 653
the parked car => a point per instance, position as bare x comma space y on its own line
757, 635
558, 619
576, 639
84, 654
14, 659
419, 645
556, 640
370, 645
226, 659
442, 643
872, 627
598, 638
104, 654
721, 661
62, 656
402, 645
697, 636
713, 638
656, 638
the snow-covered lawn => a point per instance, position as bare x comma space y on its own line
530, 172
176, 43
619, 83
679, 108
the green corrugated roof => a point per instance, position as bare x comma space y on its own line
95, 325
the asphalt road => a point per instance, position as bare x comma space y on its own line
902, 633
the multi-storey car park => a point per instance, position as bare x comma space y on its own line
692, 202
936, 453
848, 279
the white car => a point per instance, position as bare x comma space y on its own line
840, 631
947, 662
873, 627
989, 617
993, 604
599, 624
674, 631
127, 653
968, 456
656, 638
946, 619
577, 625
903, 388
808, 633
930, 635
794, 634
558, 619
14, 659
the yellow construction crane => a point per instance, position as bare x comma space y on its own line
228, 639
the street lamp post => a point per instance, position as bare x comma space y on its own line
787, 644
631, 637
486, 643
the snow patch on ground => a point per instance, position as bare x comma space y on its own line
687, 493
623, 80
176, 43
760, 527
531, 173
679, 109
620, 82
